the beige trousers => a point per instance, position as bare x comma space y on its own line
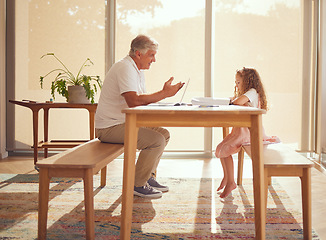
151, 143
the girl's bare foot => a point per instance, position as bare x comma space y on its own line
222, 185
228, 189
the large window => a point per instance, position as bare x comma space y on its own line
264, 34
260, 34
74, 31
180, 32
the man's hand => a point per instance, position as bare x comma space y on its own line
133, 99
169, 89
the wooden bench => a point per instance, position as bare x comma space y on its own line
83, 162
280, 160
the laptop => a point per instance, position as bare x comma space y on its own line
183, 94
180, 103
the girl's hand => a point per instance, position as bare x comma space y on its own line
243, 100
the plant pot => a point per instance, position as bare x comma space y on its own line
77, 94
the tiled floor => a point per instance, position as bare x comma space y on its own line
190, 166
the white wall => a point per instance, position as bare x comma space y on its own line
3, 152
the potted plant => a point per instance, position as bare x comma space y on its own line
64, 81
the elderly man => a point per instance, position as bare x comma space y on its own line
124, 86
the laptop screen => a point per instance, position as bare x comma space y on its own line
184, 91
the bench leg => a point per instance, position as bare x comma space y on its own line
44, 185
306, 203
103, 176
269, 181
267, 178
240, 166
89, 204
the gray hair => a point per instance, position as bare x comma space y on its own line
142, 44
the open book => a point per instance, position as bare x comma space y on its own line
210, 101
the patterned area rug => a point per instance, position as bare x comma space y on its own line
191, 210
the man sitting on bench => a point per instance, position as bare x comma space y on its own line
124, 86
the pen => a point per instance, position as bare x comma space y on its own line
203, 106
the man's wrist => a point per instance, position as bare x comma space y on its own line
163, 94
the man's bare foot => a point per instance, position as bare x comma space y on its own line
228, 189
222, 185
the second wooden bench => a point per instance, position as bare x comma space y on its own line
83, 162
280, 160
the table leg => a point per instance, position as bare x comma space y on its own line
91, 124
258, 175
306, 203
46, 129
130, 145
226, 131
89, 204
35, 134
44, 185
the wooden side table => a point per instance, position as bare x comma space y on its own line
45, 144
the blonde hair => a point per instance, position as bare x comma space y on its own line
142, 43
251, 79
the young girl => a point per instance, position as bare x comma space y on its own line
248, 91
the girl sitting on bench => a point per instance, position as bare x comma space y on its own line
248, 91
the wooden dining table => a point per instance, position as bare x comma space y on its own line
193, 116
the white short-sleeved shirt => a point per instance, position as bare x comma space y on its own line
124, 76
253, 97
